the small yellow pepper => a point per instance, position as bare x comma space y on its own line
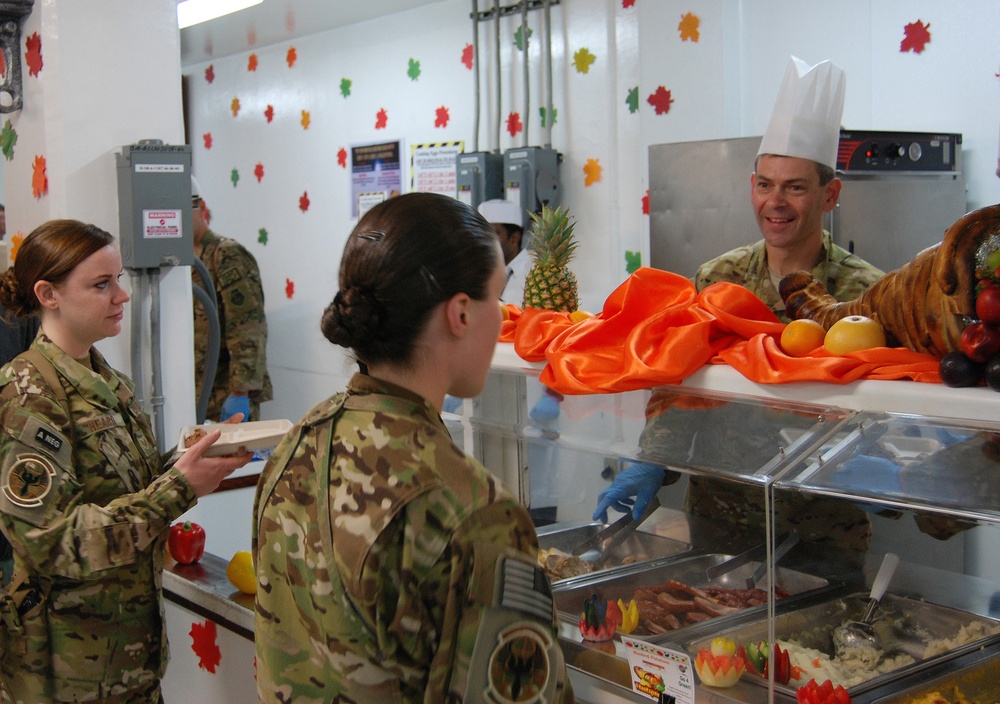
630, 616
723, 646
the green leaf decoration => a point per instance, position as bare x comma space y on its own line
519, 37
414, 70
633, 100
262, 236
555, 115
633, 260
345, 87
234, 176
8, 138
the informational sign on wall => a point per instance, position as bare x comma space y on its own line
375, 168
432, 167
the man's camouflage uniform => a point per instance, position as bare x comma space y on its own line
393, 568
845, 276
819, 519
86, 506
239, 298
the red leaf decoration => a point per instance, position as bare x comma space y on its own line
467, 56
210, 73
289, 288
258, 171
33, 53
626, 4
381, 119
3, 68
304, 201
916, 36
207, 138
660, 100
269, 113
291, 56
205, 646
514, 125
442, 117
342, 157
645, 203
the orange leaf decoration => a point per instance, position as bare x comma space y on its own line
291, 56
592, 170
252, 63
689, 27
39, 181
235, 106
306, 119
15, 244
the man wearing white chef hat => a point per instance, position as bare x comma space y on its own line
792, 186
507, 220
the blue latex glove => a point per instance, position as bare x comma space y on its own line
451, 404
546, 408
235, 404
641, 480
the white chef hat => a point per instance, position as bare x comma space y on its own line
501, 212
195, 189
806, 118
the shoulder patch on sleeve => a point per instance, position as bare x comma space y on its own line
29, 480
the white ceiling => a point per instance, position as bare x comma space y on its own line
276, 21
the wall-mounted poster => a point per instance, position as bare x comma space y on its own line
375, 168
432, 167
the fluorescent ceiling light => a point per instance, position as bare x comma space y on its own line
192, 12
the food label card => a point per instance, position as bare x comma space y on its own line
655, 670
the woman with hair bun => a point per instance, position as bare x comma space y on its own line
391, 566
85, 500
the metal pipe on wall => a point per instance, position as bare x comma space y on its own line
527, 86
156, 393
548, 73
496, 20
475, 59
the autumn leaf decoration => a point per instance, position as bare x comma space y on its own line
39, 179
514, 125
661, 100
592, 172
688, 27
583, 59
205, 646
33, 54
916, 37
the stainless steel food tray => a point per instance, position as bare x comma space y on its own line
906, 626
978, 681
640, 547
571, 593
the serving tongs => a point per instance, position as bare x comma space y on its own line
603, 543
755, 554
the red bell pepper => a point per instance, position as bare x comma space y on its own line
826, 693
186, 542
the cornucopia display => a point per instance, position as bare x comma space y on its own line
924, 305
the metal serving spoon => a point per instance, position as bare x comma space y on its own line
857, 638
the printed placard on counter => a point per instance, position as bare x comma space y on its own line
655, 670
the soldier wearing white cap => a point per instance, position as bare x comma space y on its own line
792, 186
507, 220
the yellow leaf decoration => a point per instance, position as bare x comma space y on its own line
235, 106
306, 119
582, 60
592, 172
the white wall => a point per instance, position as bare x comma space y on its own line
723, 85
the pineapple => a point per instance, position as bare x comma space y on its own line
550, 284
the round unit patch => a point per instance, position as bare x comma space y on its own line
29, 480
519, 668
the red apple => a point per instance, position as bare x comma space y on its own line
980, 341
988, 304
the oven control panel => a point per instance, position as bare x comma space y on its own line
881, 152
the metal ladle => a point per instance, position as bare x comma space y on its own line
857, 639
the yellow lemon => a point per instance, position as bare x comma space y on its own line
852, 334
800, 337
240, 572
578, 315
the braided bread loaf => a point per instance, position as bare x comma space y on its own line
924, 305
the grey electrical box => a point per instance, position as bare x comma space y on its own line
531, 177
479, 177
154, 205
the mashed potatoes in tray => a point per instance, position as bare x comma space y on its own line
849, 671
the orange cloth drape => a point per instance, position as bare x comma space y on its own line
657, 329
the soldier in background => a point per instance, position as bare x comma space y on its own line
85, 499
241, 379
383, 550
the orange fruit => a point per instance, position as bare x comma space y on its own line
240, 572
578, 315
800, 337
853, 333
